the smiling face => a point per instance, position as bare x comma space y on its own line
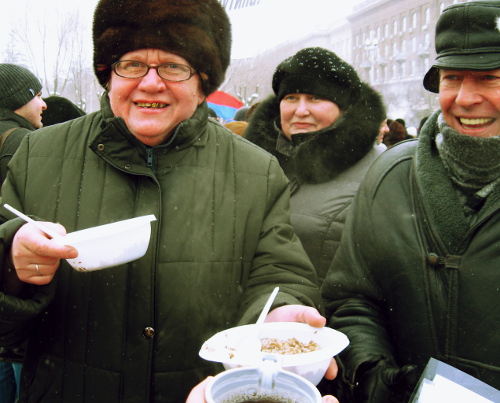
32, 111
470, 101
302, 113
150, 106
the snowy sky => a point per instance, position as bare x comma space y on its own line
255, 29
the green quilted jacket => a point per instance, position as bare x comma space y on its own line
221, 243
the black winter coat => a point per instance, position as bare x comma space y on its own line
412, 279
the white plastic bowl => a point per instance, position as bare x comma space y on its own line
110, 244
312, 366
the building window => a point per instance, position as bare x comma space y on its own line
427, 16
414, 44
414, 20
403, 24
395, 27
386, 30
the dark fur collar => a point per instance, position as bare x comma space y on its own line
322, 155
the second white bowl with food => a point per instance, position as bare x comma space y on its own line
297, 347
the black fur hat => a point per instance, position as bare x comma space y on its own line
319, 72
59, 109
197, 30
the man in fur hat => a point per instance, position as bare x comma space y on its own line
416, 275
221, 242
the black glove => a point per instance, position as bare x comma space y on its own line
386, 383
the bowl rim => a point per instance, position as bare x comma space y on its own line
339, 343
253, 370
106, 230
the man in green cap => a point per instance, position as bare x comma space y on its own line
420, 279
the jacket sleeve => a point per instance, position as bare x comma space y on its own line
279, 257
17, 314
9, 147
352, 299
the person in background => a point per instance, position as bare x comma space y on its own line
221, 242
251, 110
240, 115
322, 124
384, 129
401, 121
396, 134
60, 109
212, 114
416, 275
237, 127
21, 108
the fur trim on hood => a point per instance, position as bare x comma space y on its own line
320, 156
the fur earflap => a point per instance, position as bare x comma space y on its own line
197, 30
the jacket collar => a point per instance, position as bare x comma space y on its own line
15, 119
188, 131
440, 199
119, 147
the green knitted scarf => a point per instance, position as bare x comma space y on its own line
472, 162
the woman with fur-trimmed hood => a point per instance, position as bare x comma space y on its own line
322, 125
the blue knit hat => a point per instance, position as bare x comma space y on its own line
18, 86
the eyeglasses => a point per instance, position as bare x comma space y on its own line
168, 71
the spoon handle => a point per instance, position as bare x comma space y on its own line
269, 302
39, 225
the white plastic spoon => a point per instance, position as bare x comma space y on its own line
38, 224
250, 346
